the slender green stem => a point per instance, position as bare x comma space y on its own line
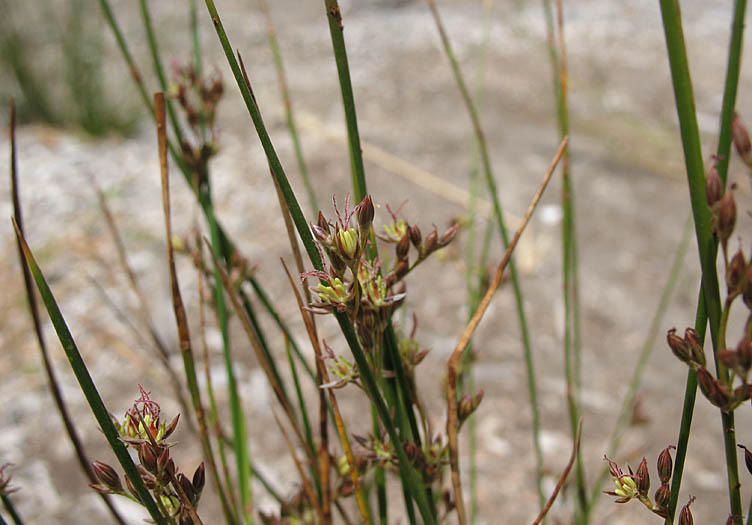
95, 402
498, 214
198, 66
213, 417
379, 477
701, 213
334, 16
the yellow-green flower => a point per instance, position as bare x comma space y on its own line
335, 293
395, 231
348, 242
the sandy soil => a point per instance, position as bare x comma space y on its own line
631, 206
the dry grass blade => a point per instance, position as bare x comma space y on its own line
452, 420
563, 477
339, 423
180, 316
57, 395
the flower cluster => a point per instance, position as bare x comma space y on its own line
198, 98
636, 485
360, 285
142, 429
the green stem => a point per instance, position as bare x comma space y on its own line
334, 16
706, 244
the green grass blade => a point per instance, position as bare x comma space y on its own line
87, 385
731, 84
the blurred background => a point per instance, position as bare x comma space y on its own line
82, 122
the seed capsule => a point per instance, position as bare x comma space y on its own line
642, 476
726, 216
735, 274
662, 496
685, 517
107, 475
665, 464
678, 346
365, 212
713, 187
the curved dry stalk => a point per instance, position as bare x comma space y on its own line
339, 423
452, 419
563, 477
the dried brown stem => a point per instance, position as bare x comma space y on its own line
339, 423
452, 418
563, 477
57, 395
181, 318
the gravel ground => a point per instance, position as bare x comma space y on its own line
631, 206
